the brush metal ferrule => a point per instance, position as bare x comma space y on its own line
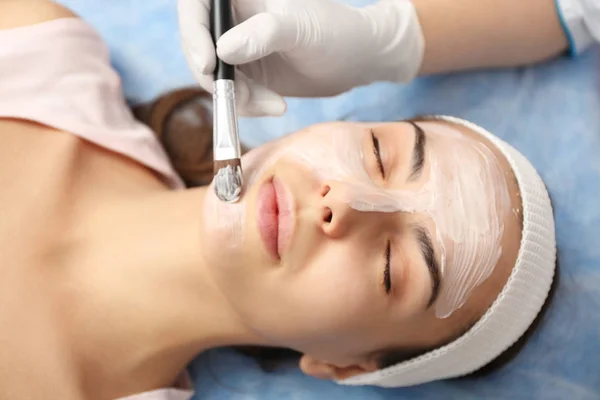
226, 141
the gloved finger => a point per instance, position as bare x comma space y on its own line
257, 37
256, 100
194, 25
205, 80
242, 91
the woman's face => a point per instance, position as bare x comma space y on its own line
343, 246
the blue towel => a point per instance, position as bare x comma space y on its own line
551, 113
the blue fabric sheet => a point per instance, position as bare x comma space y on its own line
551, 113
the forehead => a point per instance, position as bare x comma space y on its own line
485, 294
460, 227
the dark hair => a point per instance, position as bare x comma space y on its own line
181, 121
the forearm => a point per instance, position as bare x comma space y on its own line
470, 34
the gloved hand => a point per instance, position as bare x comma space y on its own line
303, 48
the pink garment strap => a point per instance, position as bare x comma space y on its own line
58, 74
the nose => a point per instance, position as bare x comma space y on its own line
337, 216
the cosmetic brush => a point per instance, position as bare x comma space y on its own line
228, 180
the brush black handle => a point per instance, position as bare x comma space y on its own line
221, 20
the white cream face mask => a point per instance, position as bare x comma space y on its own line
462, 189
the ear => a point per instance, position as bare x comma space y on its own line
324, 370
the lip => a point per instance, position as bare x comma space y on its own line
275, 217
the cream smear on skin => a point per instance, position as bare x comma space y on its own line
226, 220
463, 191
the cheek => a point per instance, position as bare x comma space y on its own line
334, 304
330, 152
336, 290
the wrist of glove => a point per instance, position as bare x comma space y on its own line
304, 48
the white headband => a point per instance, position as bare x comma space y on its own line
517, 305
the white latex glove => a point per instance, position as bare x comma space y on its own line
303, 48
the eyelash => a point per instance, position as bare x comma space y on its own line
387, 277
377, 153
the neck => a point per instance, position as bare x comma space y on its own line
154, 304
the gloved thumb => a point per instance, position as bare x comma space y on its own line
257, 37
255, 100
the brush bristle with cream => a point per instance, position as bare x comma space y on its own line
228, 181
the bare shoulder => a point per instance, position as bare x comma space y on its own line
20, 13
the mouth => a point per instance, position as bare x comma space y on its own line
275, 217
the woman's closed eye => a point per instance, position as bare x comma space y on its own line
387, 275
377, 153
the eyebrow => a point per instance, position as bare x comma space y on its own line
418, 158
428, 254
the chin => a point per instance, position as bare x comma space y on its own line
230, 240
